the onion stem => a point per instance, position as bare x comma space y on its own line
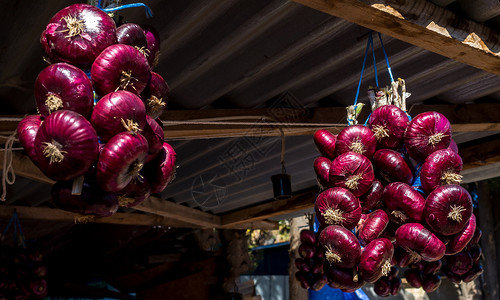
352, 181
53, 152
386, 267
125, 201
333, 216
400, 215
331, 256
131, 126
456, 212
357, 146
436, 138
83, 219
414, 256
380, 132
143, 50
155, 104
75, 26
53, 102
126, 80
450, 177
136, 168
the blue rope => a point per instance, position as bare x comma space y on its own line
362, 69
374, 61
149, 13
386, 58
8, 225
21, 234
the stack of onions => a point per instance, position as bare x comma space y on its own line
310, 263
395, 183
99, 138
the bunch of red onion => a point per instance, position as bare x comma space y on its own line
310, 263
391, 198
98, 133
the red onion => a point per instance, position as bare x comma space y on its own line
325, 142
414, 277
395, 285
390, 232
153, 39
135, 192
37, 289
356, 138
341, 278
404, 203
388, 124
120, 67
453, 146
153, 132
78, 33
392, 166
459, 263
322, 170
117, 112
454, 278
91, 201
426, 133
382, 287
66, 145
155, 96
341, 247
440, 168
161, 170
132, 34
307, 237
448, 209
26, 132
458, 241
473, 273
121, 160
372, 227
477, 236
375, 260
432, 267
337, 206
373, 197
301, 265
419, 242
475, 252
301, 277
431, 283
306, 251
63, 86
320, 280
394, 272
317, 266
418, 265
352, 171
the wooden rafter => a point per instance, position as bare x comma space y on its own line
423, 24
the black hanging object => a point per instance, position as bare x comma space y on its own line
282, 186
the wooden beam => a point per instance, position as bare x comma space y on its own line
481, 153
423, 24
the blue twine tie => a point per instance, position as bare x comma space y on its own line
149, 12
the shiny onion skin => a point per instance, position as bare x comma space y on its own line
454, 278
121, 160
153, 132
153, 44
473, 273
372, 227
63, 86
453, 146
337, 206
78, 33
356, 138
440, 168
91, 201
431, 283
161, 170
135, 192
392, 166
375, 260
322, 170
343, 278
403, 203
131, 34
382, 287
118, 112
414, 278
352, 171
120, 67
432, 267
66, 145
420, 241
373, 197
388, 124
475, 252
426, 133
460, 240
477, 236
459, 263
448, 209
341, 247
26, 132
307, 237
325, 143
155, 96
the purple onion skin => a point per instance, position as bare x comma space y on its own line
322, 170
459, 241
153, 44
99, 32
155, 96
394, 122
307, 237
26, 132
440, 204
383, 286
392, 166
301, 277
414, 277
341, 278
432, 267
394, 272
459, 263
153, 132
119, 157
135, 192
453, 146
325, 142
373, 258
438, 164
418, 141
416, 237
356, 138
342, 249
354, 167
343, 202
395, 286
320, 281
109, 68
473, 273
403, 203
454, 278
68, 86
373, 197
306, 251
301, 265
372, 227
92, 200
431, 283
131, 34
475, 252
161, 170
76, 140
112, 109
477, 236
